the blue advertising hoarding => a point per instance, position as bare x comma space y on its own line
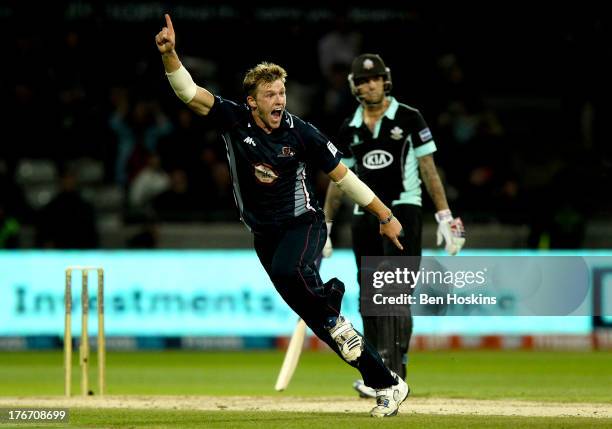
204, 293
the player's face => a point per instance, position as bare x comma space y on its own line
268, 105
371, 89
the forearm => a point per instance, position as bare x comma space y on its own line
432, 182
171, 61
356, 190
359, 192
333, 200
379, 209
197, 99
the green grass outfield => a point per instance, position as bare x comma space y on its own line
87, 418
517, 375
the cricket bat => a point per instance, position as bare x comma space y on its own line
291, 357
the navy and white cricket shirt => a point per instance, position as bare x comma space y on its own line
272, 174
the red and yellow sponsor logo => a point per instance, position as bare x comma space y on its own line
265, 174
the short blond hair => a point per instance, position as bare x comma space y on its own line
262, 73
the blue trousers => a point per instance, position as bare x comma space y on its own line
289, 256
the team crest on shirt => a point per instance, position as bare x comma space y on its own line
265, 174
286, 152
397, 133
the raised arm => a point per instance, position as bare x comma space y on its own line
197, 99
359, 192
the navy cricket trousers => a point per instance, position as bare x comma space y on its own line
289, 255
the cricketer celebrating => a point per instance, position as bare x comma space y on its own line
272, 158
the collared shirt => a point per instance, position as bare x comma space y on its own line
272, 174
386, 159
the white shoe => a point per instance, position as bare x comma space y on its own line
389, 399
349, 341
363, 390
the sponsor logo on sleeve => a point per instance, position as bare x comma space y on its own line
332, 148
425, 135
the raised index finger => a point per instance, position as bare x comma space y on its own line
169, 22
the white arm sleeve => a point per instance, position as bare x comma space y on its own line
182, 84
355, 189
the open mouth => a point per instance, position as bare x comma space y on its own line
276, 113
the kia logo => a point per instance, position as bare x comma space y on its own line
376, 159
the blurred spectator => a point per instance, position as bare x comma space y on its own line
479, 162
138, 131
214, 170
201, 155
338, 46
26, 131
55, 94
73, 80
336, 49
146, 238
477, 159
13, 200
178, 203
560, 210
68, 221
451, 82
151, 181
181, 147
336, 99
9, 230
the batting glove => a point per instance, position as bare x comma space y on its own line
451, 231
328, 249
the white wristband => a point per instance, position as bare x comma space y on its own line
355, 189
182, 84
443, 215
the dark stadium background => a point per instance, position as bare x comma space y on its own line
517, 98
